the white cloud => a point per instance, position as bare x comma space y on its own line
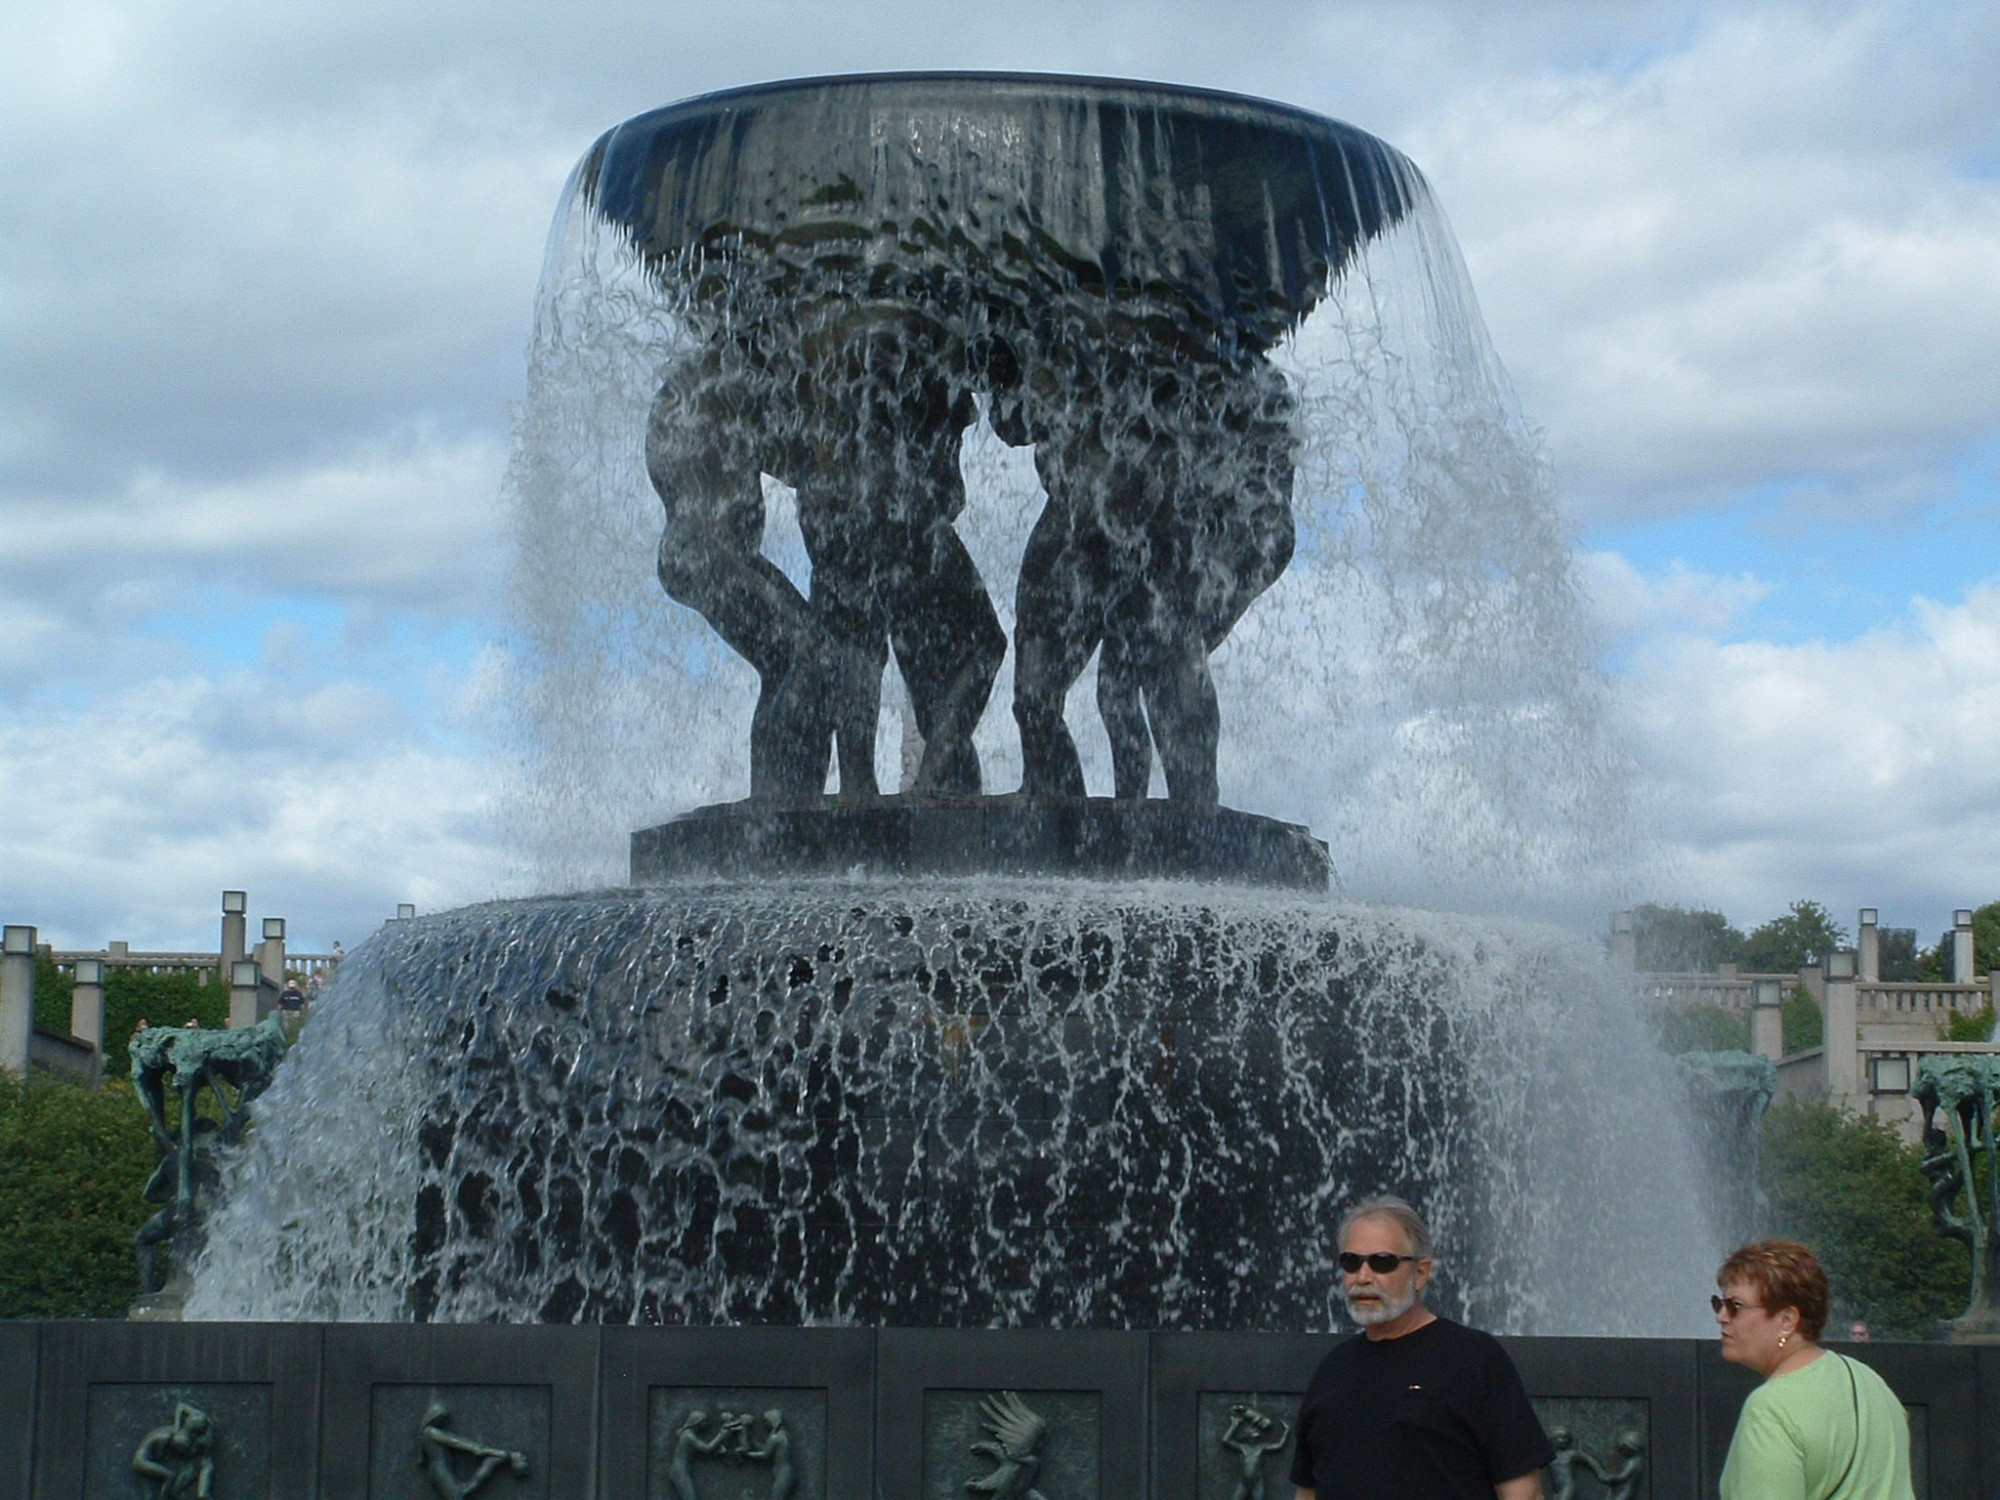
127, 819
1684, 599
1760, 258
1858, 773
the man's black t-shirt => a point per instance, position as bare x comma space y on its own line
1438, 1414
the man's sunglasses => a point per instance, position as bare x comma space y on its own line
1735, 1307
1381, 1262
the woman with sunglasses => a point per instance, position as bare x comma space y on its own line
1821, 1426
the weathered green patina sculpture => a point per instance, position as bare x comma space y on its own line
1958, 1093
1252, 1436
1013, 1444
178, 1460
439, 1449
234, 1067
733, 1442
1727, 1094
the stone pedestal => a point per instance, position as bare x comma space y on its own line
1091, 838
1977, 1328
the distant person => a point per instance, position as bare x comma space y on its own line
1821, 1424
1418, 1407
291, 1009
1859, 1332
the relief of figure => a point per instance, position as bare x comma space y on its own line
689, 1445
179, 1458
1621, 1477
1169, 473
1013, 1445
1562, 1468
1253, 1436
776, 1450
438, 1452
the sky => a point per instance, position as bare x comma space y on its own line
266, 281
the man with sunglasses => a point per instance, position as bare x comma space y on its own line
1417, 1407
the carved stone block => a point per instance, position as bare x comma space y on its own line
1603, 1448
227, 1425
736, 1443
1009, 1443
492, 1441
1245, 1445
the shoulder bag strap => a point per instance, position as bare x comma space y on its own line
1853, 1453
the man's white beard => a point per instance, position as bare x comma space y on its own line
1378, 1307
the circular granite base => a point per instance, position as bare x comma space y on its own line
1096, 837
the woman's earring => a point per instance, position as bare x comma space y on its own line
1784, 1339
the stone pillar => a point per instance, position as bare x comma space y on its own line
271, 952
86, 1004
1843, 1032
1961, 947
17, 996
235, 940
246, 980
1868, 943
1624, 941
1767, 1018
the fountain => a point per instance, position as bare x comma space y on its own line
1043, 389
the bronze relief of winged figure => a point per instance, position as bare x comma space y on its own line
1014, 1448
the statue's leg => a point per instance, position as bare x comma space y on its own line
1187, 723
1121, 706
1058, 623
857, 634
949, 645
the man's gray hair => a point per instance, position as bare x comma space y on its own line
1388, 1206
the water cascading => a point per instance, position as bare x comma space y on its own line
1084, 396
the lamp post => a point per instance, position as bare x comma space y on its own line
1843, 1029
17, 996
1868, 939
86, 1004
1624, 941
246, 979
271, 952
235, 941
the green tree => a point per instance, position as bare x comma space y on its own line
1804, 935
1985, 942
1700, 1028
1853, 1191
1897, 959
1968, 1026
73, 1163
1801, 1022
171, 999
1677, 940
